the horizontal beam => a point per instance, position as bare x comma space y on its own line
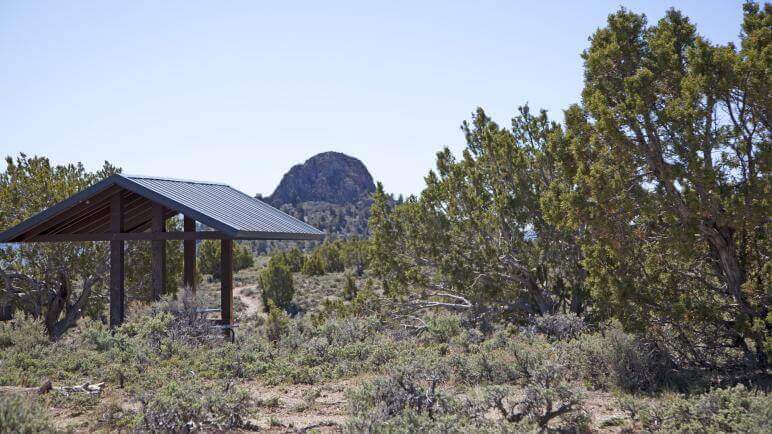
279, 236
125, 236
155, 236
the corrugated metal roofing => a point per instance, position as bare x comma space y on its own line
218, 206
231, 207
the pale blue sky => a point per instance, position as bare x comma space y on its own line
240, 91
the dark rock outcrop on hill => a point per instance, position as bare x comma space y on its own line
330, 177
330, 191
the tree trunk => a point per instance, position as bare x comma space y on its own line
6, 312
721, 239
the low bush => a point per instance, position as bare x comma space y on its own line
209, 257
331, 257
292, 258
562, 326
177, 322
614, 358
414, 398
23, 332
548, 388
314, 265
734, 409
276, 324
410, 389
355, 255
349, 288
22, 415
192, 405
443, 328
276, 286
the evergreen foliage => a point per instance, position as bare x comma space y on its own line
314, 264
276, 286
650, 204
331, 257
29, 185
292, 258
209, 257
350, 288
665, 164
21, 415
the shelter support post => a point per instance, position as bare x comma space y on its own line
158, 252
117, 293
189, 256
226, 281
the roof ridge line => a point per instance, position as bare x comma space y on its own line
161, 178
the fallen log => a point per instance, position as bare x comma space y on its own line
91, 389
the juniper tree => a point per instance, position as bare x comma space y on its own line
54, 282
667, 165
478, 227
60, 282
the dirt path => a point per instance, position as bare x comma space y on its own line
249, 296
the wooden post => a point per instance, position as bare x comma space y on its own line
226, 281
117, 294
189, 256
158, 252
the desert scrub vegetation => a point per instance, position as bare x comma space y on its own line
166, 369
617, 259
165, 358
22, 415
732, 409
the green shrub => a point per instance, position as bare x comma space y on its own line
182, 406
331, 257
559, 326
97, 336
483, 367
355, 255
177, 322
242, 257
115, 418
405, 389
314, 265
293, 259
276, 324
275, 282
734, 409
349, 288
23, 333
443, 328
412, 399
547, 389
22, 415
616, 358
209, 257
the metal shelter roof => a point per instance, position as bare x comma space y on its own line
221, 207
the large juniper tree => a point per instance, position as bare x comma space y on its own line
667, 165
478, 228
